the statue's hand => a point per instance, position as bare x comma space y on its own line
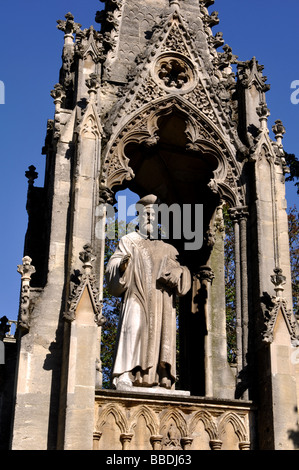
124, 263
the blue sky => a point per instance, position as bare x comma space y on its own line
29, 66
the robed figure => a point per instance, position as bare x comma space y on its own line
147, 275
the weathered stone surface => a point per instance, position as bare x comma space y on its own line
159, 423
150, 103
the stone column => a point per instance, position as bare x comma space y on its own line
239, 216
96, 440
156, 442
215, 444
126, 440
223, 380
186, 443
206, 276
244, 445
238, 292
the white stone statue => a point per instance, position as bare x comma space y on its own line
148, 276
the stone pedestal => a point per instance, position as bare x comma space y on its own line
147, 421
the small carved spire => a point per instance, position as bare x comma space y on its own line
263, 113
31, 174
92, 84
279, 281
26, 269
279, 131
87, 257
58, 94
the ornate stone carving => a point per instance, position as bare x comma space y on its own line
58, 94
87, 280
26, 270
250, 73
66, 79
272, 306
201, 136
172, 441
173, 72
279, 280
69, 26
90, 43
178, 426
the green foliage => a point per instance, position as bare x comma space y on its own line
230, 286
293, 164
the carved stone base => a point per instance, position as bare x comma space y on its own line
143, 420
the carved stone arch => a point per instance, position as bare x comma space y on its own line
208, 422
179, 420
264, 153
229, 196
237, 423
142, 128
150, 419
118, 415
90, 126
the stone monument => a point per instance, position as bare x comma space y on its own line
151, 100
147, 274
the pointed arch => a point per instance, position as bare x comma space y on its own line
90, 126
177, 417
118, 415
201, 135
237, 424
208, 422
149, 417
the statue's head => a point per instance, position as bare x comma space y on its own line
145, 208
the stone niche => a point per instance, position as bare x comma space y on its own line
137, 421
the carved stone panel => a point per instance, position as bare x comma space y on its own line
170, 423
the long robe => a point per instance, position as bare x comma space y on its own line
146, 343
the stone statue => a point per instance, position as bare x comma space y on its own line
148, 276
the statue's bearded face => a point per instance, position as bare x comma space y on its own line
147, 217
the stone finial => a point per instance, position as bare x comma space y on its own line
87, 257
279, 131
68, 27
279, 281
92, 83
58, 94
31, 174
263, 113
26, 269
